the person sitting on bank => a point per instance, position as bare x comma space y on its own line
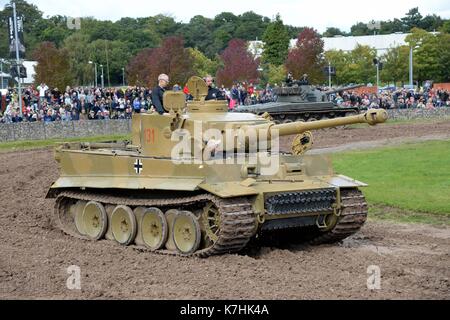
158, 93
213, 92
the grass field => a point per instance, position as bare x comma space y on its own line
34, 144
410, 183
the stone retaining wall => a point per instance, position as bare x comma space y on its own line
74, 129
62, 129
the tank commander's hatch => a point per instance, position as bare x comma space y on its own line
197, 88
174, 100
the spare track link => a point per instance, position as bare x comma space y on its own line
237, 216
353, 217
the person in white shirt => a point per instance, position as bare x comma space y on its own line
42, 90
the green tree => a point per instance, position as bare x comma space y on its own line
331, 32
396, 65
276, 39
251, 26
53, 67
202, 65
412, 19
276, 74
445, 28
360, 29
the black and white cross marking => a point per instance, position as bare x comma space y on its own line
138, 166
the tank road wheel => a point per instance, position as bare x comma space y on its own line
186, 232
94, 220
287, 121
170, 217
154, 229
311, 119
211, 222
77, 212
123, 225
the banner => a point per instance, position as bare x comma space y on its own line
12, 43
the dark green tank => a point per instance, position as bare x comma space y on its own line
302, 103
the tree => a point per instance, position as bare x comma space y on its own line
199, 34
360, 29
238, 64
138, 68
53, 67
276, 39
251, 26
396, 65
412, 19
306, 57
331, 32
171, 58
202, 65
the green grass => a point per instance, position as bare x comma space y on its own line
406, 122
412, 179
35, 144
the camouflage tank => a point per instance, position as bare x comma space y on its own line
302, 103
199, 181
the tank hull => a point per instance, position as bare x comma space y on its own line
307, 196
282, 112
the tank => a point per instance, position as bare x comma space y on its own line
201, 181
302, 103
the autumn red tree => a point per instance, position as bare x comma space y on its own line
53, 66
306, 57
171, 58
238, 64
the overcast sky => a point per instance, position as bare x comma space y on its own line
319, 14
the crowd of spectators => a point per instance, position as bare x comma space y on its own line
42, 103
399, 98
45, 104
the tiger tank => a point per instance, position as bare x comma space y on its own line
199, 181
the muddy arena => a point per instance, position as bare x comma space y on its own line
413, 259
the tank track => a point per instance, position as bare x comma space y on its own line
237, 228
353, 217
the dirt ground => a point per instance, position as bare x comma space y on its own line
413, 260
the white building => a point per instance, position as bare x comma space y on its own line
381, 43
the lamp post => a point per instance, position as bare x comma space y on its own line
103, 77
1, 70
16, 36
329, 74
411, 73
411, 66
123, 77
95, 70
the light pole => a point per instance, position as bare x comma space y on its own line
411, 67
123, 77
17, 58
411, 79
329, 74
102, 76
96, 77
1, 67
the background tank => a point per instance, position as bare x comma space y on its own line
199, 181
302, 103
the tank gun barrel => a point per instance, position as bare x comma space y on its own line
371, 117
344, 89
